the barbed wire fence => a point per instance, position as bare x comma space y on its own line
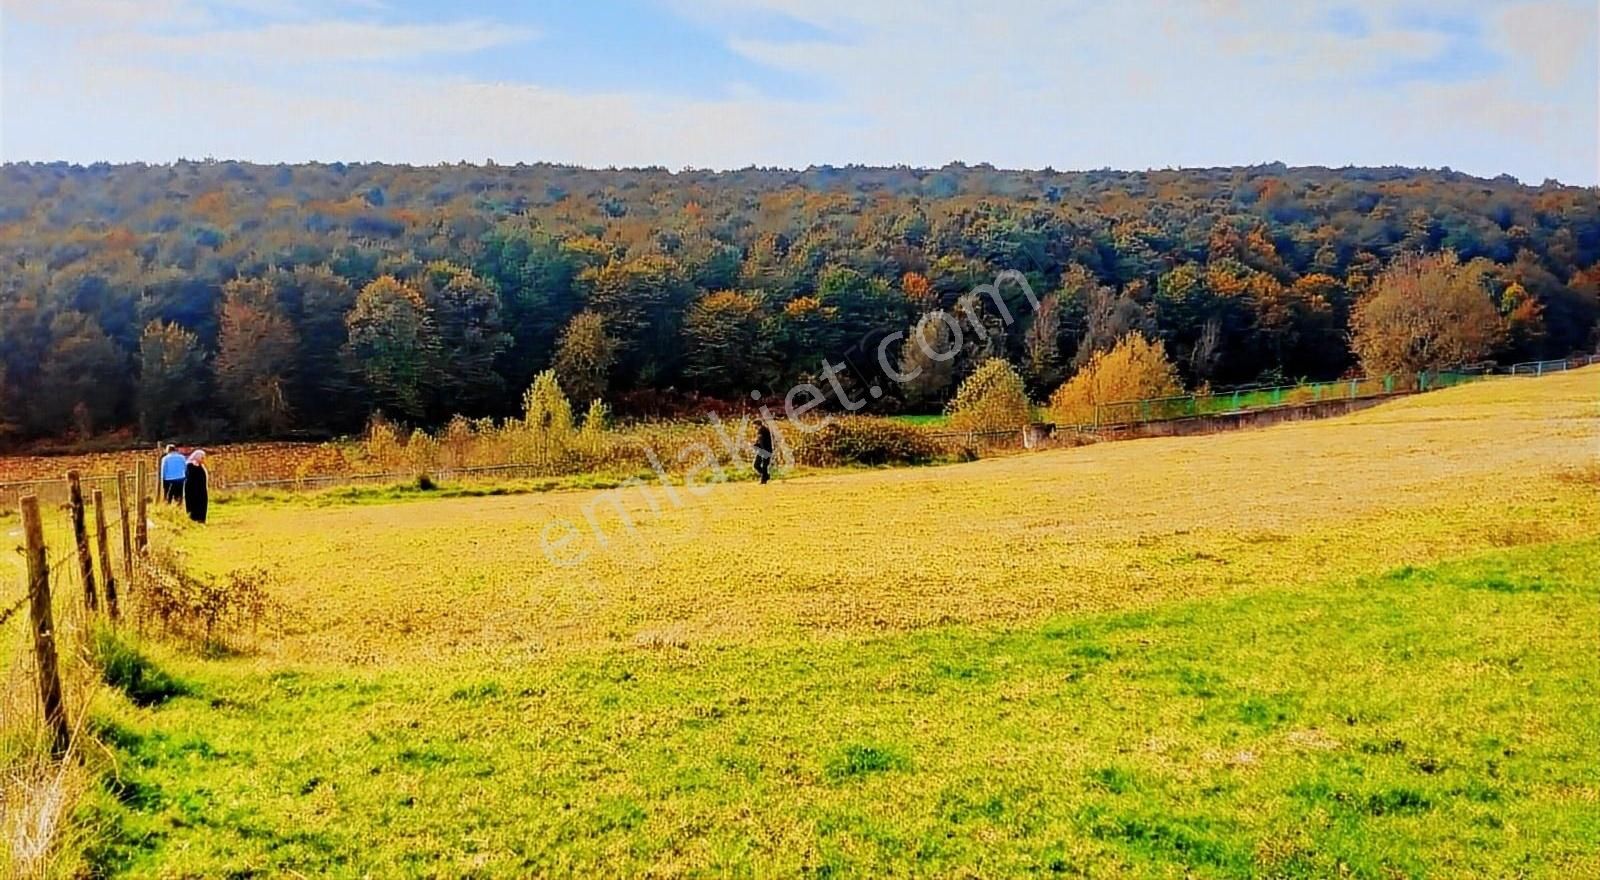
70, 586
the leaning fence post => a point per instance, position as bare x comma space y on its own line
104, 546
44, 630
80, 533
127, 528
141, 526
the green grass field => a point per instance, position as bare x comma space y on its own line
928, 420
1361, 647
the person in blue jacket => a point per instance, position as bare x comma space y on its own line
173, 465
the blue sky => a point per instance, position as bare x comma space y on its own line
1485, 86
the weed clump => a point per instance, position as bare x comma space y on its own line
218, 615
860, 760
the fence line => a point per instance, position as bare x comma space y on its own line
62, 604
1539, 368
1250, 398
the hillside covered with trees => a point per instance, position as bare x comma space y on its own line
215, 299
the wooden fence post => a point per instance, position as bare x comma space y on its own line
141, 526
44, 630
127, 528
104, 546
80, 533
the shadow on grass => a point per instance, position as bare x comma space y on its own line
126, 668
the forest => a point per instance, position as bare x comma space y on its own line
217, 299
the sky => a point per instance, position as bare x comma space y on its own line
1482, 86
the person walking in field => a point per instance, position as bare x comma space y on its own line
195, 497
763, 449
172, 468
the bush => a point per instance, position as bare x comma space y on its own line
1136, 369
991, 399
866, 440
211, 613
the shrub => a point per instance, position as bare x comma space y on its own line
593, 443
991, 399
866, 440
1136, 369
545, 435
382, 445
212, 613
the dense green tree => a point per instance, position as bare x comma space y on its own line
643, 302
82, 380
927, 363
534, 272
1041, 365
171, 377
466, 318
727, 348
393, 345
322, 390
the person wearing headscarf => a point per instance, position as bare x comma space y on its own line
195, 498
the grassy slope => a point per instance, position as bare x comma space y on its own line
1431, 719
1362, 645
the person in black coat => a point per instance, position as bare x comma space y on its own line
763, 450
195, 498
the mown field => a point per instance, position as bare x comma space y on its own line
1355, 647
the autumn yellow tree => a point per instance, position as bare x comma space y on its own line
1426, 313
991, 399
1524, 322
584, 357
1136, 369
547, 433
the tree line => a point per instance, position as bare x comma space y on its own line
228, 299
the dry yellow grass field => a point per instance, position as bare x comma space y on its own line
1501, 463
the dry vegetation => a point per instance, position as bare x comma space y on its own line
1012, 539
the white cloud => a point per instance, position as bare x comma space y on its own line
1554, 37
322, 41
104, 14
1036, 82
158, 115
